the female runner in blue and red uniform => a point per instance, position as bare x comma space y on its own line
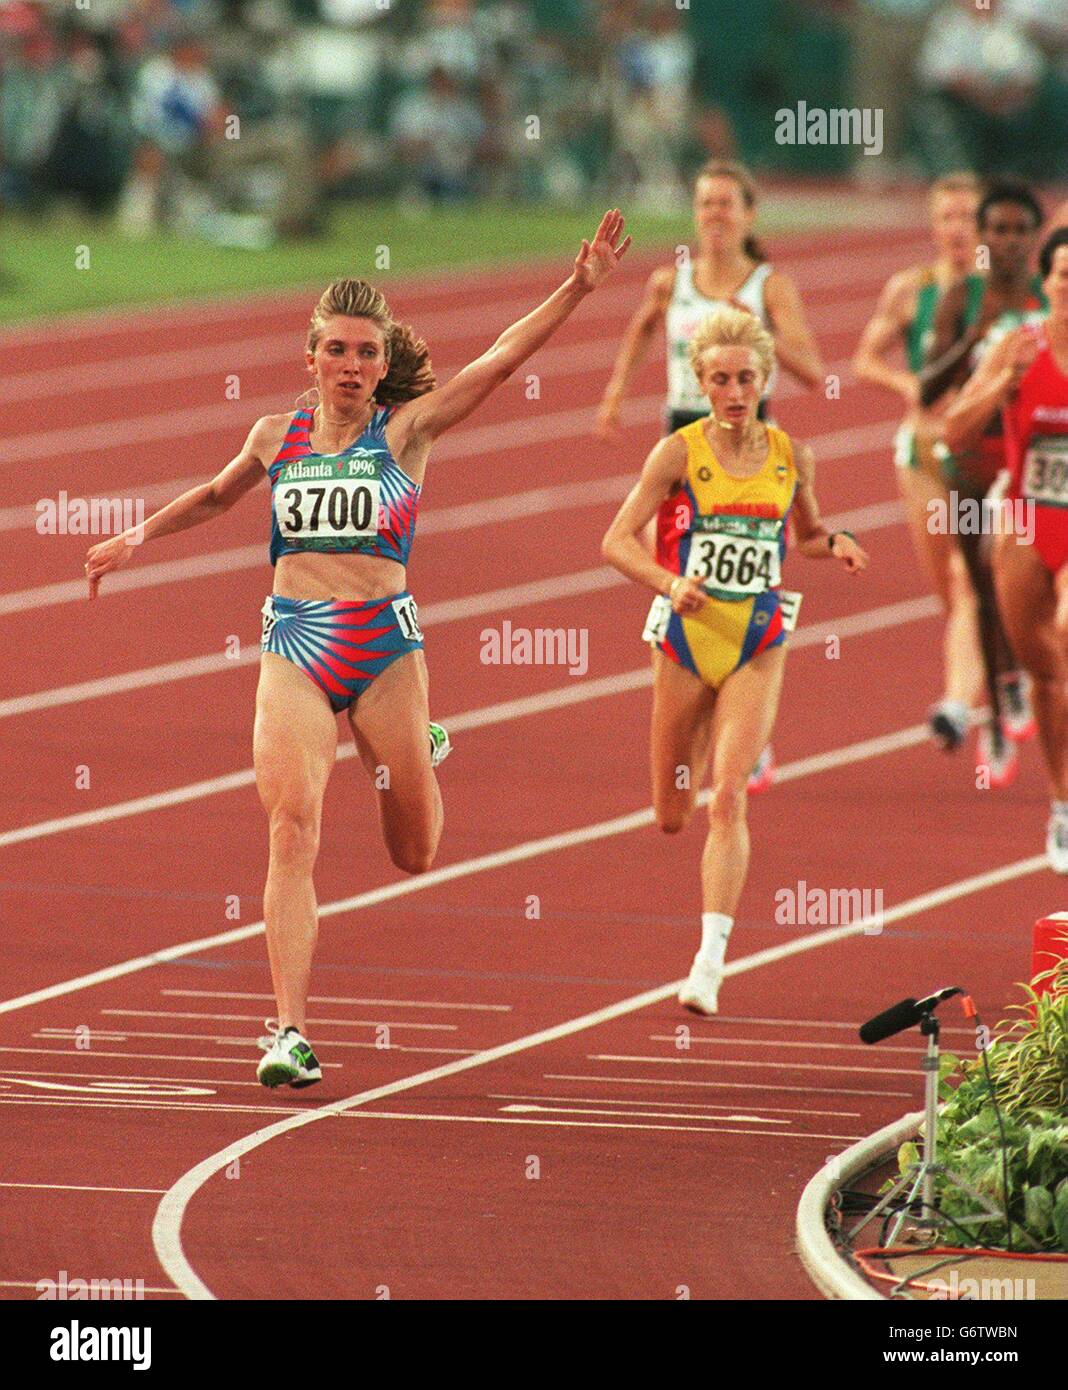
1026, 377
340, 630
721, 489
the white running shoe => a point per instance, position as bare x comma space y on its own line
288, 1059
997, 755
1017, 718
440, 747
1057, 844
948, 722
700, 993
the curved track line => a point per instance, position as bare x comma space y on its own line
167, 1223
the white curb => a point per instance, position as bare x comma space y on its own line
826, 1267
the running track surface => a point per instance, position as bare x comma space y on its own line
462, 1143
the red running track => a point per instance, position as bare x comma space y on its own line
513, 1104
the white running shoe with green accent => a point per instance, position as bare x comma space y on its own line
288, 1060
700, 993
440, 747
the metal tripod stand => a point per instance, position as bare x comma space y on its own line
921, 1176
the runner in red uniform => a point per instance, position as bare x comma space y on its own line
1026, 376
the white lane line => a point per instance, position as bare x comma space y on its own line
14, 1074
167, 1225
729, 1118
530, 849
86, 1102
69, 1103
723, 1085
25, 514
277, 350
187, 421
772, 1064
47, 1034
252, 1018
451, 610
780, 1042
334, 999
578, 692
437, 520
462, 869
680, 1104
114, 1089
36, 1284
810, 1023
839, 444
171, 571
580, 1124
79, 1187
137, 1056
432, 521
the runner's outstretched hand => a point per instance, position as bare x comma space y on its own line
599, 257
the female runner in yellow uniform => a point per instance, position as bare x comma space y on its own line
721, 489
728, 268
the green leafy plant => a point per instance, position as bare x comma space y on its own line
1028, 1062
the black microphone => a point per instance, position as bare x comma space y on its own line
893, 1020
901, 1016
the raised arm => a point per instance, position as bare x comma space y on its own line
813, 538
883, 334
420, 421
635, 344
197, 505
795, 347
949, 348
988, 389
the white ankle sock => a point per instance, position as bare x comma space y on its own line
715, 931
1060, 809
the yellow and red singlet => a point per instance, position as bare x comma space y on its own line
729, 533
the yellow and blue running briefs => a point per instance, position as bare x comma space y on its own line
730, 534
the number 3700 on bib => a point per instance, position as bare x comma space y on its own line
332, 499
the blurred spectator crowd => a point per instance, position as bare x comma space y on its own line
243, 119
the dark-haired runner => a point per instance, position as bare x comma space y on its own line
971, 317
1026, 377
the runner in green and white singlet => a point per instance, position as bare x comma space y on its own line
905, 318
